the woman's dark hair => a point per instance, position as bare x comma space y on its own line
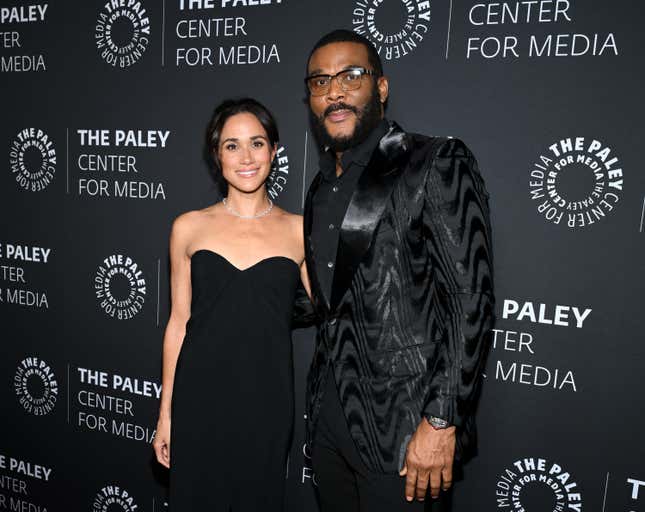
227, 109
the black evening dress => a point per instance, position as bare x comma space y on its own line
233, 398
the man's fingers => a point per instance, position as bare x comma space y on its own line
410, 484
435, 483
446, 477
422, 485
404, 471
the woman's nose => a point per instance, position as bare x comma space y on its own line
247, 155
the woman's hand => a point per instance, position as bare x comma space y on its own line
161, 444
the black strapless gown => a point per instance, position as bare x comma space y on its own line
233, 400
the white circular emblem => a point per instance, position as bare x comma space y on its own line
36, 386
120, 287
32, 159
396, 27
112, 498
537, 485
122, 32
578, 182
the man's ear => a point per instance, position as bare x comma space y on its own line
383, 87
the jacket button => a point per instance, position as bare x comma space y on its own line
460, 267
332, 321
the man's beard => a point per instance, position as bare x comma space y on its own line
367, 118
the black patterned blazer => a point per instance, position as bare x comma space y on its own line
405, 330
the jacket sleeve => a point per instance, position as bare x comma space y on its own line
457, 233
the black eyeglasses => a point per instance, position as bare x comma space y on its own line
349, 80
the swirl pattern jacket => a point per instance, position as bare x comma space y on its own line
406, 329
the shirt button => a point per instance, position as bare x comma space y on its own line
334, 188
331, 226
330, 264
332, 321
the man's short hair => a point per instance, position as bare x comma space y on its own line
348, 36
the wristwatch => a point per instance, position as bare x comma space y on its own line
436, 423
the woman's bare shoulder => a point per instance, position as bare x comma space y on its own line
193, 219
189, 225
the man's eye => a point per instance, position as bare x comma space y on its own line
321, 82
351, 77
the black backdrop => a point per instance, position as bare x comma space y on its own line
104, 107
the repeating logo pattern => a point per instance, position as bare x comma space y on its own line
32, 159
122, 32
36, 386
396, 27
120, 287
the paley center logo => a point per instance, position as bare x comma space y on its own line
537, 485
32, 159
120, 287
113, 498
395, 27
279, 174
578, 182
122, 32
36, 386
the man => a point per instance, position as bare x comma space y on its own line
398, 252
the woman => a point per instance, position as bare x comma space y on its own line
227, 402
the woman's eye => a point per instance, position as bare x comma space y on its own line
258, 144
230, 147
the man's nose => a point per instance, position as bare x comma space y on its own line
335, 90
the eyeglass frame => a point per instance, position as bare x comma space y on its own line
363, 71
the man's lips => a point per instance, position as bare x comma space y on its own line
338, 116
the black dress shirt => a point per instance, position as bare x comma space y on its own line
332, 198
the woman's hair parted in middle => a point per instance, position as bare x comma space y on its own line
229, 108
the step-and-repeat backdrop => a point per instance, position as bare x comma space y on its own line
104, 110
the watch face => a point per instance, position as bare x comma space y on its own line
437, 422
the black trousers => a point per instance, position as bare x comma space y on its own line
345, 484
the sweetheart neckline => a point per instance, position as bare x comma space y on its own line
249, 267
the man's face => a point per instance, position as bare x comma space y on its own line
343, 119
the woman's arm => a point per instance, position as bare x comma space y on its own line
175, 329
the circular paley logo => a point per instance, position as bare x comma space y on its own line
32, 159
120, 287
577, 183
113, 498
537, 485
122, 32
395, 27
36, 386
279, 174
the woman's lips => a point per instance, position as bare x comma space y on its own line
250, 173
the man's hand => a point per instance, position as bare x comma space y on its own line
429, 459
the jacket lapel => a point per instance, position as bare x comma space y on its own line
319, 299
365, 208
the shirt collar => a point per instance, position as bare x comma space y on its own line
358, 155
